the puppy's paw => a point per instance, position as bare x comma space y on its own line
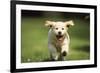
53, 59
64, 53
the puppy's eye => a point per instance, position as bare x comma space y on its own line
50, 25
68, 25
56, 28
62, 28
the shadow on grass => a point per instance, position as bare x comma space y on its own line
47, 60
84, 48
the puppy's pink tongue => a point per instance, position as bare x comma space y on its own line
60, 38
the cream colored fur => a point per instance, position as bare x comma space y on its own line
61, 44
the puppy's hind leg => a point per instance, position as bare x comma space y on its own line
60, 57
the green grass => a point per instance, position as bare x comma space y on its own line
34, 38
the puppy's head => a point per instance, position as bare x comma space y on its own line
59, 28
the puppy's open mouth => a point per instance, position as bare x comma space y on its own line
59, 37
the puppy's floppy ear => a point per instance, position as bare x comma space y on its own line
49, 23
69, 23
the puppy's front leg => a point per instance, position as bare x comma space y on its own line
53, 52
64, 51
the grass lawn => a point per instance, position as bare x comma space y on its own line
34, 38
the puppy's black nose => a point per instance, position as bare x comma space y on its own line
59, 33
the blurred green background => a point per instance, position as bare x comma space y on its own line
34, 35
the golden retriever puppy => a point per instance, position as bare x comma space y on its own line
58, 39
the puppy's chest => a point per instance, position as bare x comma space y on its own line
58, 43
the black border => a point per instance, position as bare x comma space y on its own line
13, 36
